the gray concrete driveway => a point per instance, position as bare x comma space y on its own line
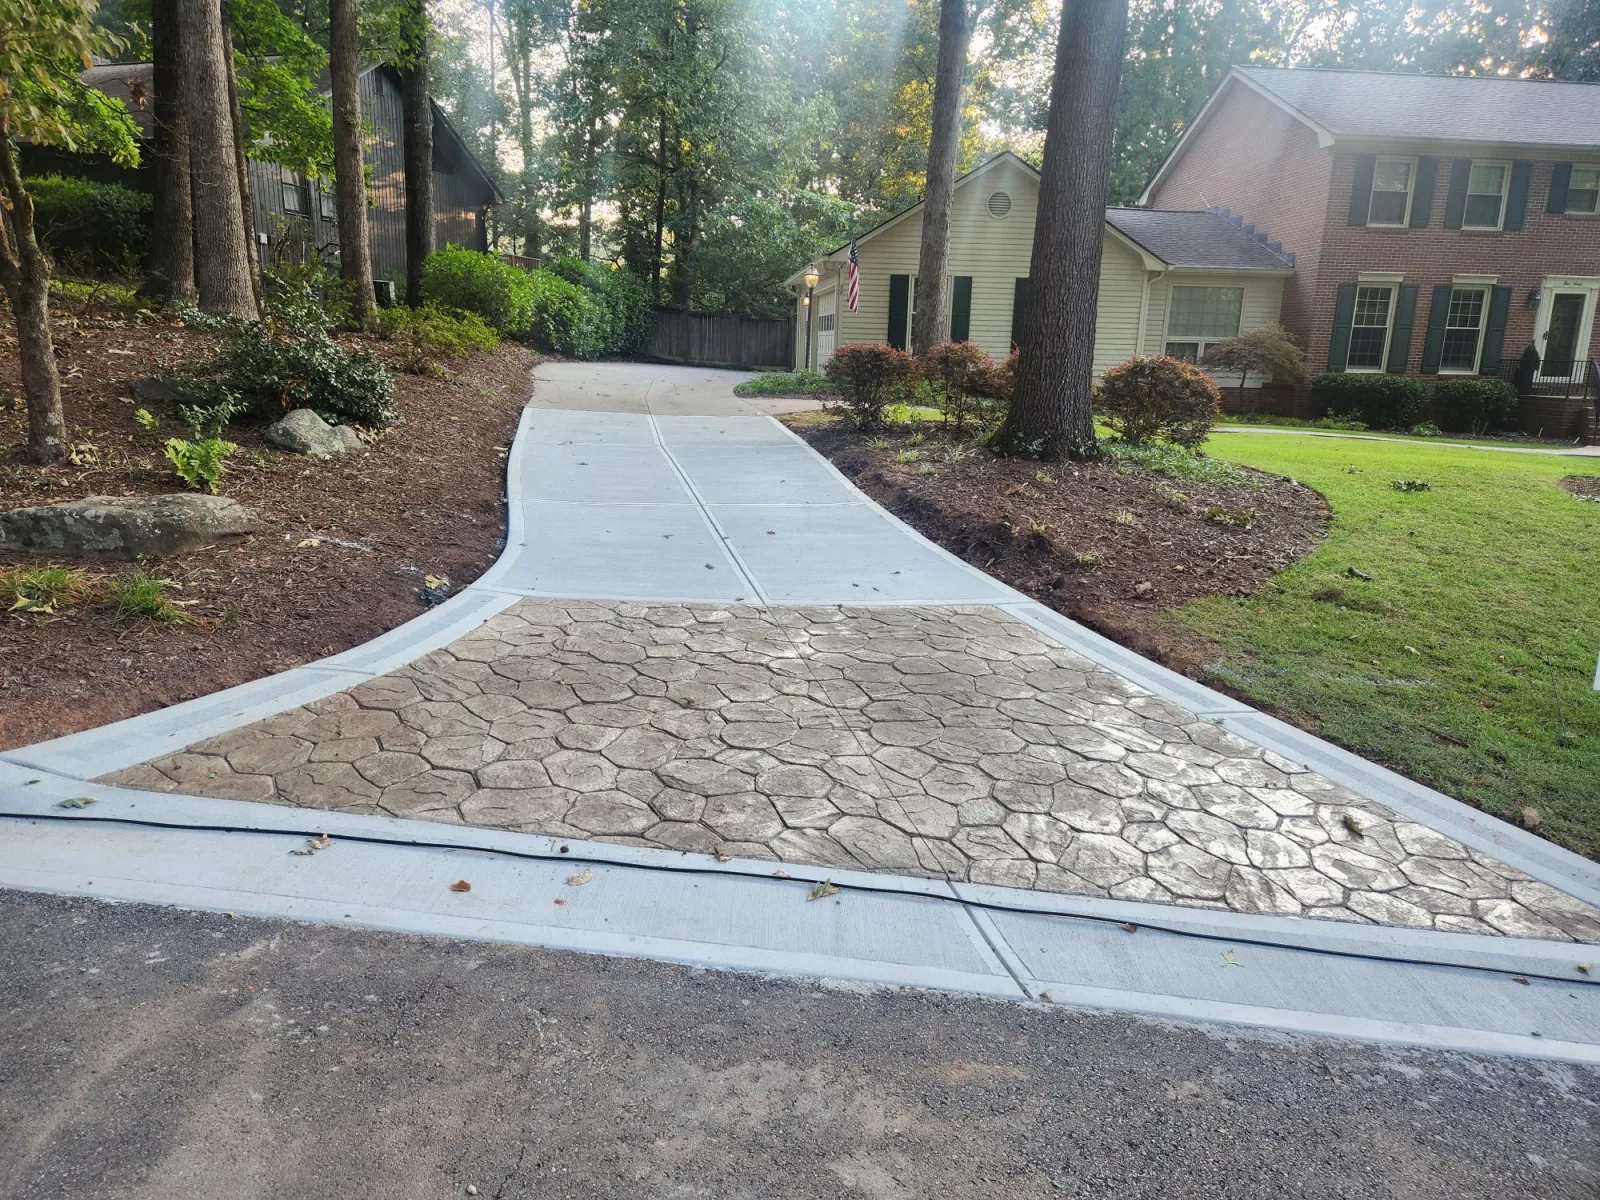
658, 388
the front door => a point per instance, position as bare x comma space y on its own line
1566, 316
827, 325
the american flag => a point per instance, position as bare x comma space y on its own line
853, 292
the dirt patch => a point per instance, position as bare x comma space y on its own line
1584, 487
344, 548
1109, 543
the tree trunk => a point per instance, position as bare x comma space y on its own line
223, 269
349, 168
932, 324
418, 118
25, 275
171, 274
1052, 411
247, 212
661, 208
586, 205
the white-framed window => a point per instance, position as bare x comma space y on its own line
1463, 331
1370, 326
1199, 316
328, 205
1486, 195
1392, 182
296, 198
1583, 192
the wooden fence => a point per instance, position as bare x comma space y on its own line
723, 340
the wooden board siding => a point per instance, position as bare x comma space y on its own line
458, 196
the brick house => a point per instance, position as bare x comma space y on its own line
1440, 225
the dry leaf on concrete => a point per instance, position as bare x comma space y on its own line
461, 885
823, 888
581, 878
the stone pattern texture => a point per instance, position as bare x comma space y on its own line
944, 742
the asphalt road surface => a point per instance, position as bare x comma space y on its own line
149, 1052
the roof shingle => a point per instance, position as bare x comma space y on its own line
1195, 239
1452, 108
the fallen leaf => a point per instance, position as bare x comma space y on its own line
308, 543
1585, 968
436, 581
782, 875
720, 856
1353, 824
581, 878
321, 842
823, 888
1522, 979
1130, 927
1227, 957
76, 802
560, 901
1047, 997
461, 885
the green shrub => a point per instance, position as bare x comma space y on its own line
303, 295
91, 228
1153, 397
1381, 401
200, 463
960, 377
869, 377
267, 375
427, 336
478, 283
784, 383
624, 297
1474, 405
567, 319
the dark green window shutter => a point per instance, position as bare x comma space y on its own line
1361, 188
1405, 315
960, 308
1019, 309
1344, 311
1494, 337
1455, 205
1422, 192
1517, 194
1433, 347
1560, 181
899, 308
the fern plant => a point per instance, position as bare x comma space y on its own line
200, 463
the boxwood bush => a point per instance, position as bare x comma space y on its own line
629, 313
89, 228
1378, 401
1151, 397
1474, 405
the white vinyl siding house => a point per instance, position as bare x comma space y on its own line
991, 243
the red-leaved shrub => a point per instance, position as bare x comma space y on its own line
869, 376
1149, 397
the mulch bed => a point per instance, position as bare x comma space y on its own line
1106, 545
344, 548
1585, 487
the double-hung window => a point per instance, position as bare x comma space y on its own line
1486, 195
328, 206
1463, 331
1370, 326
1199, 316
296, 198
1391, 192
1583, 191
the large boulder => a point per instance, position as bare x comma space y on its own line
304, 432
126, 527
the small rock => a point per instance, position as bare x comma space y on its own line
304, 432
127, 527
1144, 589
155, 390
1531, 818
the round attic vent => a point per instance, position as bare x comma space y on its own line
999, 204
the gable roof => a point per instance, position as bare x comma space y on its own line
1196, 240
134, 85
1164, 240
1366, 106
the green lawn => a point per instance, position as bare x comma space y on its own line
1467, 659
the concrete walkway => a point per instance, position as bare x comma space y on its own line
1558, 451
704, 648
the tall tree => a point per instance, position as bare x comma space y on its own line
932, 324
526, 33
241, 163
417, 117
1052, 413
349, 168
172, 219
223, 270
44, 47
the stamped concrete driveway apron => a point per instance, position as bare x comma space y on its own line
721, 646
